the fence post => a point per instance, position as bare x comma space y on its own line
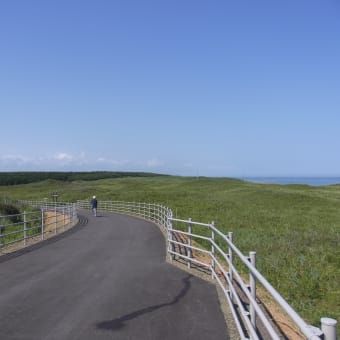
171, 245
0, 234
64, 217
42, 223
25, 228
212, 251
230, 252
55, 220
252, 283
328, 327
189, 242
158, 214
74, 214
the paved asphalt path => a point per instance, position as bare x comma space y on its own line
106, 279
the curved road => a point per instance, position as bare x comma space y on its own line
105, 279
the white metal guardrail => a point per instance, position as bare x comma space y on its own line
29, 225
149, 211
225, 259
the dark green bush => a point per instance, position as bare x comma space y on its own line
9, 209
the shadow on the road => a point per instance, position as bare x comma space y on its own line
119, 323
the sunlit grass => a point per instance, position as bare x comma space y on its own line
294, 229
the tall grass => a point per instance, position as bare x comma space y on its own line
294, 229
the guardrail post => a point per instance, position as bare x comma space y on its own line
55, 220
74, 214
189, 242
212, 251
328, 327
64, 218
0, 235
252, 283
25, 228
230, 252
157, 214
42, 224
171, 245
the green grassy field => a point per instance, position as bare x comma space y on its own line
295, 230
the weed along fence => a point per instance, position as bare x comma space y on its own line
203, 245
40, 221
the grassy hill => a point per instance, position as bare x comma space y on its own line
295, 229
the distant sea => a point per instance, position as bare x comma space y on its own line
313, 181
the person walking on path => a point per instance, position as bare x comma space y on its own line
94, 204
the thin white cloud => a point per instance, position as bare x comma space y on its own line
63, 156
113, 161
154, 163
13, 158
18, 162
14, 162
65, 161
221, 167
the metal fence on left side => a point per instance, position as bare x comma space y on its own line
32, 225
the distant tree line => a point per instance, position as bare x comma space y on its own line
14, 178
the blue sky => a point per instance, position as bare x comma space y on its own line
210, 88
